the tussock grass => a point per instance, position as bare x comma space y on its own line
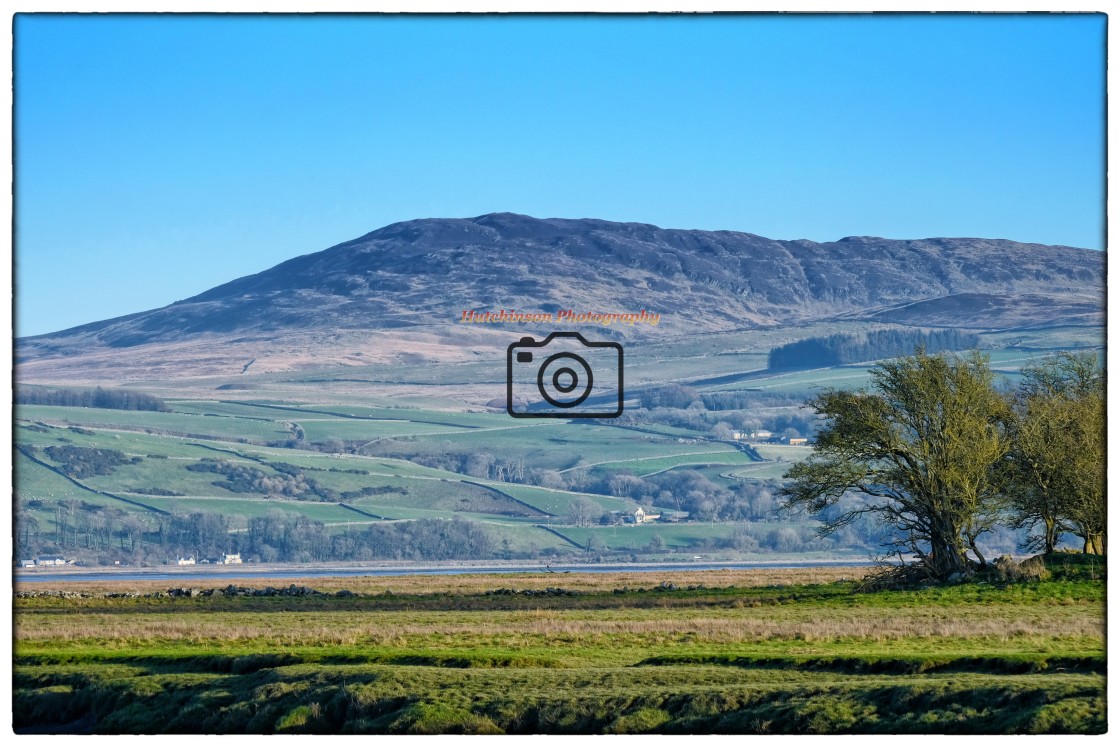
736, 653
732, 625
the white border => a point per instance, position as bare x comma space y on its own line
436, 6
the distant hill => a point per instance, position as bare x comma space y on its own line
404, 286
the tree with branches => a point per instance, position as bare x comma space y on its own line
926, 451
1058, 459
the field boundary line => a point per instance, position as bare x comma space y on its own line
504, 494
562, 536
83, 486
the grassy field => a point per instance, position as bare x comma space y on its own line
399, 418
171, 422
651, 465
675, 536
678, 652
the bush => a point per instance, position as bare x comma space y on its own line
1005, 569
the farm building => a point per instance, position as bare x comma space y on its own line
639, 516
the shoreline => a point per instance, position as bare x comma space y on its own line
328, 570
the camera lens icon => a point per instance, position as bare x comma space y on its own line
564, 376
561, 373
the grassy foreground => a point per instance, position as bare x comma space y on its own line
724, 652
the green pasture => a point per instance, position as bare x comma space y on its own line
319, 430
759, 471
674, 536
557, 445
416, 415
686, 369
557, 502
645, 467
783, 452
658, 429
607, 654
251, 507
440, 496
178, 423
130, 442
34, 481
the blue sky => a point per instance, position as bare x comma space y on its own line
157, 157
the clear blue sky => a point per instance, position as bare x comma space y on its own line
157, 157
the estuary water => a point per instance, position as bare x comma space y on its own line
221, 573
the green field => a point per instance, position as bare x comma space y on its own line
784, 453
557, 502
171, 422
761, 471
631, 537
406, 452
675, 652
651, 465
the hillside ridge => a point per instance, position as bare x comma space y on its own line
418, 276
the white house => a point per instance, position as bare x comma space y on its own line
186, 561
639, 516
50, 560
634, 517
231, 558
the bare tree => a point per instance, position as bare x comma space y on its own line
582, 511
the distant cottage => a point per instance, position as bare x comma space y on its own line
639, 516
186, 561
231, 558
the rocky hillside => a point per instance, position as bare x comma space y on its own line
412, 280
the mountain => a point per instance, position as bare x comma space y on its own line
398, 293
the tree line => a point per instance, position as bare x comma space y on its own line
105, 533
111, 399
836, 350
938, 455
279, 538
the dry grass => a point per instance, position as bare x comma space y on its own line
729, 625
480, 582
792, 624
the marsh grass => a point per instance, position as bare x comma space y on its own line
626, 654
